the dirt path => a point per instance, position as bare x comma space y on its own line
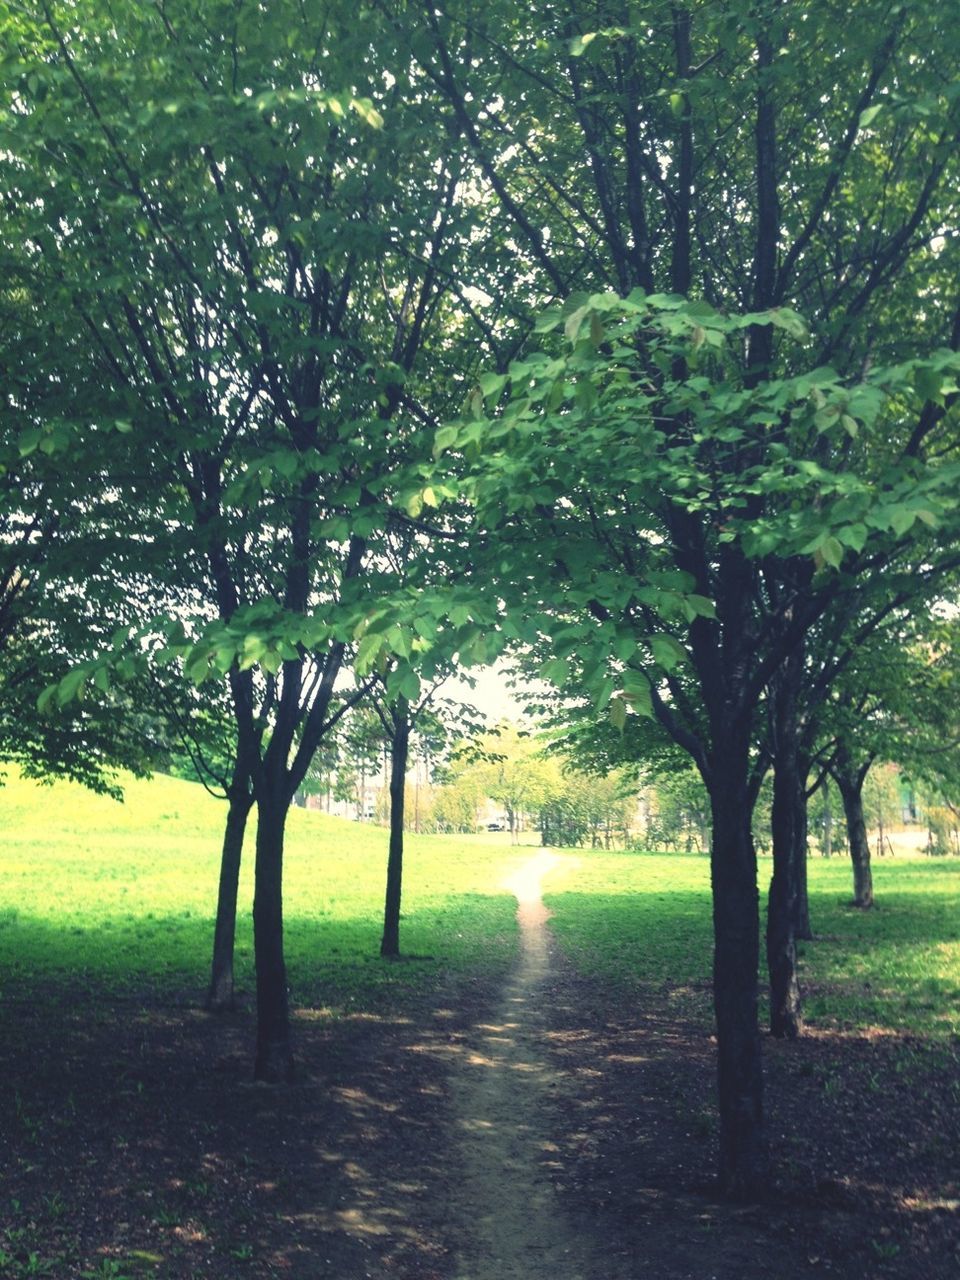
554, 1128
505, 1201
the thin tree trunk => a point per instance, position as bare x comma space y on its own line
399, 749
802, 928
736, 925
788, 802
850, 780
850, 785
221, 995
785, 1012
274, 1059
827, 819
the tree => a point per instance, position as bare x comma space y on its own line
682, 190
249, 257
404, 718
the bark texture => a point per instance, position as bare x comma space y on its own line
789, 840
221, 996
743, 1153
399, 751
849, 777
274, 1057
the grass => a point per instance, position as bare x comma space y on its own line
641, 918
100, 896
96, 895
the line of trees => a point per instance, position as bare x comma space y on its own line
691, 270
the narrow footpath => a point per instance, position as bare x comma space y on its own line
510, 1222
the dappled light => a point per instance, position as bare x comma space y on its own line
497, 1127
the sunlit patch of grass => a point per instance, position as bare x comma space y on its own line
896, 966
639, 918
100, 895
631, 918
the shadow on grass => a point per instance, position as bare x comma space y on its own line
132, 1135
330, 961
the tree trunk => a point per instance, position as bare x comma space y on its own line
274, 1060
221, 996
788, 829
390, 943
850, 785
802, 929
785, 1016
736, 926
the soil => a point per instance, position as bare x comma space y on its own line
549, 1130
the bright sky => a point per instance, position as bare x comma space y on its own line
489, 695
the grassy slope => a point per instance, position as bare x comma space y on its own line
94, 893
645, 918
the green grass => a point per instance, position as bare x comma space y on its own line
100, 895
636, 919
96, 895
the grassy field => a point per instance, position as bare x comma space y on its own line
100, 895
96, 895
632, 919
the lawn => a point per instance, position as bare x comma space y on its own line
105, 896
644, 918
114, 897
133, 1144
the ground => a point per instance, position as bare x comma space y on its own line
545, 1128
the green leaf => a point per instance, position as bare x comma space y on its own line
868, 116
46, 697
556, 670
666, 651
491, 384
579, 43
443, 439
368, 650
547, 321
410, 685
929, 383
197, 668
855, 535
902, 518
701, 606
832, 551
71, 684
617, 713
624, 646
367, 112
271, 661
28, 441
573, 322
637, 693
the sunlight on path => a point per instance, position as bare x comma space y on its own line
504, 1199
526, 882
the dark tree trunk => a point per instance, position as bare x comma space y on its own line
274, 1060
802, 928
827, 820
788, 822
399, 750
850, 785
221, 996
743, 1157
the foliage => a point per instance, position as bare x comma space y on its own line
678, 810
